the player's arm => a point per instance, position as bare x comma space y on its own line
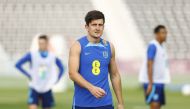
150, 61
74, 60
21, 62
61, 68
116, 79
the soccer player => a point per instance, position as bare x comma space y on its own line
154, 73
91, 60
42, 74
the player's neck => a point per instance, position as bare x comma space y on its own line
159, 41
93, 39
43, 50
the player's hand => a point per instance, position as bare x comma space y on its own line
120, 106
97, 92
149, 89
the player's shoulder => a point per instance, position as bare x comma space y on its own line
75, 44
152, 43
105, 42
28, 54
51, 53
108, 43
34, 53
81, 39
75, 47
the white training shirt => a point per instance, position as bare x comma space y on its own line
160, 66
43, 72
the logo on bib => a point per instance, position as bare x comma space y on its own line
96, 67
42, 71
105, 54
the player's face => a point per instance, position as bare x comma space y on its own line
162, 34
43, 44
95, 28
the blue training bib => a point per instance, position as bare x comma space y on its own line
94, 63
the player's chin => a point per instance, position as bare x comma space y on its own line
164, 40
97, 35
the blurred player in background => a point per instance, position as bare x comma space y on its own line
91, 60
42, 74
154, 73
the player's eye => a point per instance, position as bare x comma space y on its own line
100, 24
94, 24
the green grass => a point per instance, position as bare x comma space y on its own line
15, 98
14, 94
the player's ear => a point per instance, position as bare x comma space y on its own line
86, 26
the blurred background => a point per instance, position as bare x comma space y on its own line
129, 26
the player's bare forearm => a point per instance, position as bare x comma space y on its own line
150, 70
77, 78
115, 78
95, 91
116, 83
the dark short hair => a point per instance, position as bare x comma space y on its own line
45, 37
94, 15
158, 28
